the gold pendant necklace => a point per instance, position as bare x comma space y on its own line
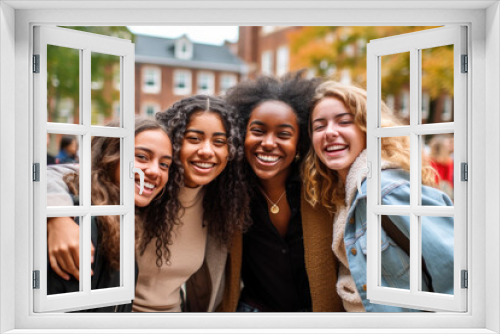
275, 209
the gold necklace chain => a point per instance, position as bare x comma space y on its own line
275, 209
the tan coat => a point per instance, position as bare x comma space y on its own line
321, 264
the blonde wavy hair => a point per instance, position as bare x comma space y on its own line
323, 185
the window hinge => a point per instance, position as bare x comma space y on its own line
464, 171
36, 63
465, 279
465, 64
36, 172
36, 279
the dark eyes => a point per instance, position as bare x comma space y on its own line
260, 132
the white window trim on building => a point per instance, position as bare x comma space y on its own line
483, 282
151, 79
282, 60
205, 82
266, 63
227, 81
155, 107
183, 48
182, 76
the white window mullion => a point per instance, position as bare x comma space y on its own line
415, 174
412, 43
85, 172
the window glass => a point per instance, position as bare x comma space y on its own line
437, 84
63, 85
395, 73
105, 88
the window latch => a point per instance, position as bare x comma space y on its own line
141, 175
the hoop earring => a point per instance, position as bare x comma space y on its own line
161, 194
297, 157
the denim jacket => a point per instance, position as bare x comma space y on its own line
437, 240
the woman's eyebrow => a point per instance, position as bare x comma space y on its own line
203, 132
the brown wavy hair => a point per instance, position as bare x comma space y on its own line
226, 201
323, 185
104, 191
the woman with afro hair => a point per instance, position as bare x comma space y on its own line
282, 260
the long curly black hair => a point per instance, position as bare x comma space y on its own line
293, 88
226, 201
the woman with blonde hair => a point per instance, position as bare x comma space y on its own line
337, 127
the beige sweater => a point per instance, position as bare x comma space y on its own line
158, 289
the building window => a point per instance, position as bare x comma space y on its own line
227, 81
447, 109
205, 83
182, 82
267, 63
152, 80
150, 109
282, 60
183, 48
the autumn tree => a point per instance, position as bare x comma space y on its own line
339, 53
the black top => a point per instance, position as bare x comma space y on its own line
273, 269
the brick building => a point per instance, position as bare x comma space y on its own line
167, 70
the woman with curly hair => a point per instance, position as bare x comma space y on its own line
201, 215
276, 259
337, 127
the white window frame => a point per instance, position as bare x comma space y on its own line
232, 80
266, 62
210, 82
182, 90
282, 60
16, 20
414, 43
155, 71
85, 43
154, 105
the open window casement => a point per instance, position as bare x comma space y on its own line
421, 216
63, 110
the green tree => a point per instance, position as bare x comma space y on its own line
63, 66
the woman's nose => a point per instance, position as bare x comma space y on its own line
206, 149
331, 131
153, 169
268, 142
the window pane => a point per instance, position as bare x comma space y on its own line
438, 164
55, 283
437, 84
63, 85
106, 171
395, 152
108, 251
395, 75
438, 253
395, 252
63, 155
105, 87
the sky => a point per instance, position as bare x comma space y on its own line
201, 34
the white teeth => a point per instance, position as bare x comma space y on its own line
335, 147
268, 158
149, 185
203, 164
